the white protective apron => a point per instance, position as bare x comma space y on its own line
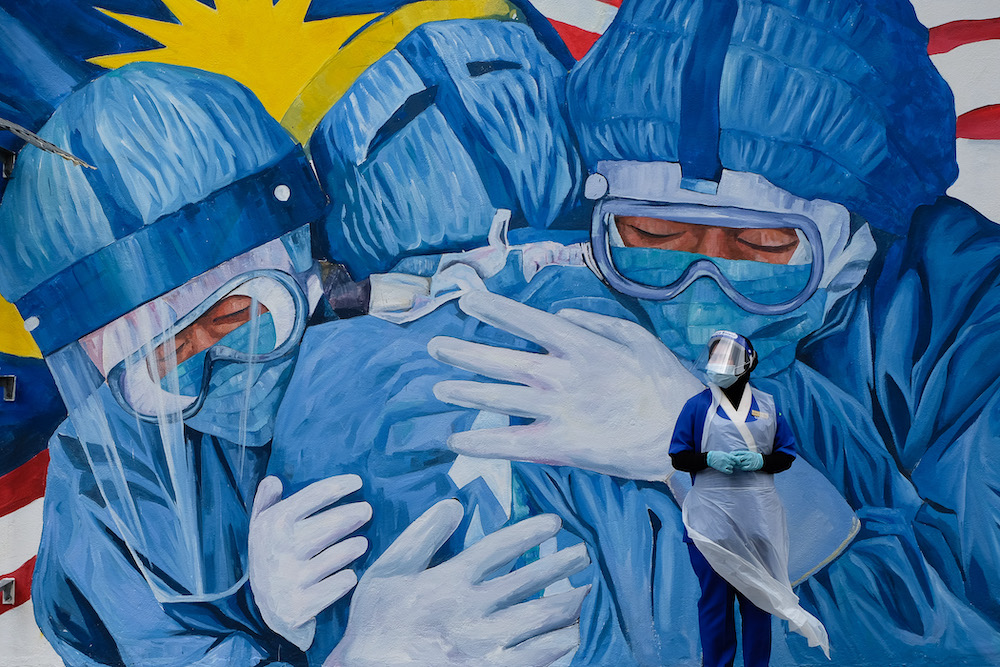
738, 522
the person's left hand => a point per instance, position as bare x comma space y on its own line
748, 461
604, 398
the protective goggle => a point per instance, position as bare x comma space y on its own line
253, 318
727, 353
660, 273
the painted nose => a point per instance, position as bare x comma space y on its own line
715, 242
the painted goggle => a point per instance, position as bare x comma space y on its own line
661, 274
254, 318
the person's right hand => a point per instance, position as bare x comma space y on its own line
724, 462
299, 551
404, 613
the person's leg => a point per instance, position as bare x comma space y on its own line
716, 614
756, 634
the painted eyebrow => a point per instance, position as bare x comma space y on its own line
407, 112
481, 67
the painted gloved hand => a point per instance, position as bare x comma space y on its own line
605, 397
748, 461
722, 461
404, 613
299, 552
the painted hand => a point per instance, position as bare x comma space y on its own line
605, 397
299, 552
404, 613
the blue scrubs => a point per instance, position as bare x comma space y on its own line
717, 620
90, 599
889, 400
716, 614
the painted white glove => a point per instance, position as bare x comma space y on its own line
299, 552
404, 613
605, 397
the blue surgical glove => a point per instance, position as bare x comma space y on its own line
748, 461
724, 462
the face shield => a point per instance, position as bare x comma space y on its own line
173, 402
726, 358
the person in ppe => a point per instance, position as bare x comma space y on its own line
169, 289
771, 177
732, 438
483, 97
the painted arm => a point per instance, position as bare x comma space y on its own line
94, 606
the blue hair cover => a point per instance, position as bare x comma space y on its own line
831, 99
186, 166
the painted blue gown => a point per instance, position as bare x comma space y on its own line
888, 400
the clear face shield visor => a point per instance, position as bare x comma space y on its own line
726, 354
146, 392
254, 318
767, 262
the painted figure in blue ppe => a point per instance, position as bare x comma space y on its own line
827, 153
168, 290
732, 438
169, 296
457, 107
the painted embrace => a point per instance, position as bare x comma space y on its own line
237, 458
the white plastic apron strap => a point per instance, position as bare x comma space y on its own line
736, 415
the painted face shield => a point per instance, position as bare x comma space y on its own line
173, 404
746, 256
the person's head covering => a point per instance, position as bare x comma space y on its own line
81, 247
828, 99
461, 119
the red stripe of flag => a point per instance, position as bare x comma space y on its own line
577, 41
948, 36
981, 123
22, 585
24, 484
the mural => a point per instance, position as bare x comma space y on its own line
359, 332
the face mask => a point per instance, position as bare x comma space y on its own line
686, 323
723, 380
242, 398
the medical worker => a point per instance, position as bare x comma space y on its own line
779, 170
463, 107
732, 438
168, 289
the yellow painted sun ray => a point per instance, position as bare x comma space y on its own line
344, 66
13, 338
188, 11
267, 47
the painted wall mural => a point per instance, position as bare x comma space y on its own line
490, 332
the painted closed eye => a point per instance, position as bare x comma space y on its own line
775, 241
